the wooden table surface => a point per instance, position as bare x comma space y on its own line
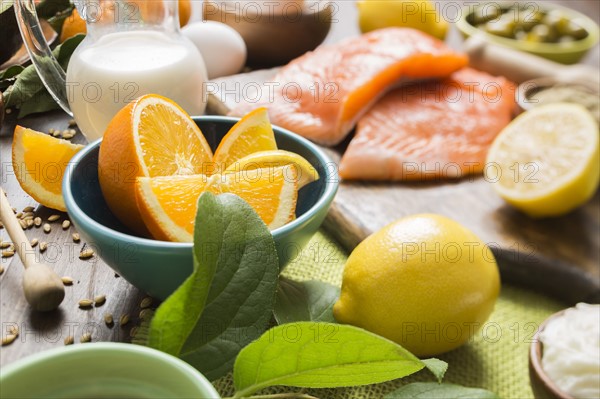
41, 331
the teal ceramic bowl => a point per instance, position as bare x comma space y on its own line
565, 53
159, 267
103, 370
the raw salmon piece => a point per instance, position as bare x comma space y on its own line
322, 94
431, 130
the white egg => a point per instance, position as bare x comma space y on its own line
222, 48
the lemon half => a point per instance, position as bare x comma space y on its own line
546, 162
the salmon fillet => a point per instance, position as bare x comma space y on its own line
431, 130
322, 94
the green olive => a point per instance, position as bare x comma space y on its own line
485, 14
527, 19
502, 27
542, 33
557, 19
575, 30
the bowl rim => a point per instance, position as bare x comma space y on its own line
540, 48
199, 379
331, 186
535, 359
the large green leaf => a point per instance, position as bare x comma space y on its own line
433, 390
241, 297
320, 355
305, 301
177, 316
228, 300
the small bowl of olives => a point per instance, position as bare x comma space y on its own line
551, 31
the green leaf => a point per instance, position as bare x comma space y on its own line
48, 8
5, 5
433, 390
437, 367
40, 102
242, 294
305, 301
29, 85
236, 269
11, 72
177, 316
320, 355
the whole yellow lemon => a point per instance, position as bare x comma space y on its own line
422, 15
424, 281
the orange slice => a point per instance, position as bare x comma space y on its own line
39, 161
169, 204
152, 136
251, 134
270, 159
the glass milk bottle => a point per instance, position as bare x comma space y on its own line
131, 48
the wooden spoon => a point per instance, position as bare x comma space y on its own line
43, 289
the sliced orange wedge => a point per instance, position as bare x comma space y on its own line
39, 161
168, 204
270, 159
251, 134
152, 136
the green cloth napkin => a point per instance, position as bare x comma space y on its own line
496, 359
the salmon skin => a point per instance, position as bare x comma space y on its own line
322, 94
434, 130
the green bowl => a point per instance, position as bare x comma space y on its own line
565, 53
159, 267
103, 370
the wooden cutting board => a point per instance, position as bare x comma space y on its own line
559, 256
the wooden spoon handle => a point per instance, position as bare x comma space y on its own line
520, 67
15, 231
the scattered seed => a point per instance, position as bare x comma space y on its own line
9, 339
28, 217
4, 244
34, 242
43, 246
76, 237
1, 270
28, 214
66, 135
56, 133
29, 223
47, 228
19, 215
72, 122
108, 319
50, 131
53, 218
37, 221
14, 210
146, 302
8, 110
28, 209
86, 303
70, 340
86, 253
13, 330
66, 224
87, 337
8, 253
146, 314
124, 319
67, 280
133, 332
23, 224
99, 300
